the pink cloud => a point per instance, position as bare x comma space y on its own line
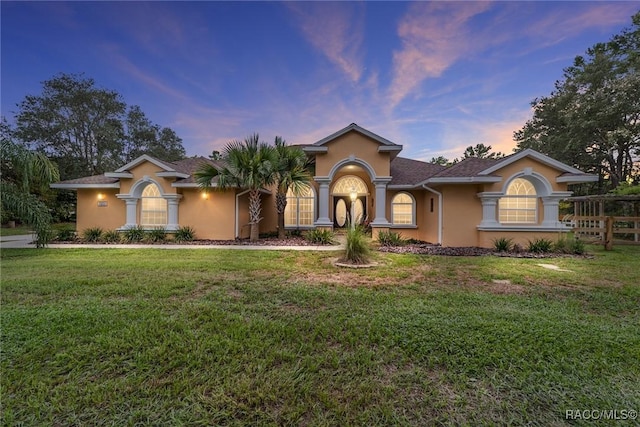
336, 30
434, 36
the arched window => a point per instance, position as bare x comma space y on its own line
519, 204
349, 184
300, 208
153, 210
403, 209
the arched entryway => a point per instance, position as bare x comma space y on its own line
349, 194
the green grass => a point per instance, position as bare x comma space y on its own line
229, 337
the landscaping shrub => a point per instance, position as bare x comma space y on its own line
184, 234
66, 234
156, 235
357, 249
503, 244
44, 235
569, 244
111, 236
540, 245
134, 234
391, 238
92, 234
320, 237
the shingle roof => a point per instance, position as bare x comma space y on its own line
412, 172
467, 168
189, 166
95, 179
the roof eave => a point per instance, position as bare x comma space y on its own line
82, 186
172, 174
463, 180
118, 174
314, 149
577, 179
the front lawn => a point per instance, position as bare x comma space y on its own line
229, 337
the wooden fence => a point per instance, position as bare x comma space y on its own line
607, 229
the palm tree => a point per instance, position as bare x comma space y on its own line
22, 171
292, 172
248, 165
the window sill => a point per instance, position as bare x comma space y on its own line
524, 227
403, 226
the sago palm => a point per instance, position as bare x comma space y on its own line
292, 172
247, 165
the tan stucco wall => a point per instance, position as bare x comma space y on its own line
211, 218
426, 221
353, 143
462, 212
88, 214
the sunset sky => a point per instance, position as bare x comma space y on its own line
435, 77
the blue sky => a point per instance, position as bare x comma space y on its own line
433, 76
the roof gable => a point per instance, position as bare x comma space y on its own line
361, 130
145, 158
544, 159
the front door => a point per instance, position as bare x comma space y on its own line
342, 210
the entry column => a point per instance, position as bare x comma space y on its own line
323, 202
380, 219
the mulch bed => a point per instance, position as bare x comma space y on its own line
268, 241
430, 249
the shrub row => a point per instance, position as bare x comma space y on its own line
566, 244
131, 235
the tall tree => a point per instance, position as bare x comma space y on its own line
292, 172
440, 160
23, 170
88, 130
481, 151
248, 165
592, 118
144, 137
76, 123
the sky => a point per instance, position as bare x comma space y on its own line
435, 77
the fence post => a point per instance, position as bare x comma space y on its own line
608, 234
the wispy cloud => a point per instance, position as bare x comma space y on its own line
434, 35
568, 21
336, 30
127, 66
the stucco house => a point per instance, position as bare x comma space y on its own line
357, 173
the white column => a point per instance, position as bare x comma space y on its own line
381, 204
550, 209
132, 205
323, 202
489, 210
172, 214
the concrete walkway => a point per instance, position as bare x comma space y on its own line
25, 241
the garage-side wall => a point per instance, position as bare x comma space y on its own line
211, 217
90, 214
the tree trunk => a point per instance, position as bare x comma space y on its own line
254, 214
281, 205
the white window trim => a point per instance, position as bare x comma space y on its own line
413, 211
297, 225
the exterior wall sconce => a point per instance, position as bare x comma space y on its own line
101, 196
205, 195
